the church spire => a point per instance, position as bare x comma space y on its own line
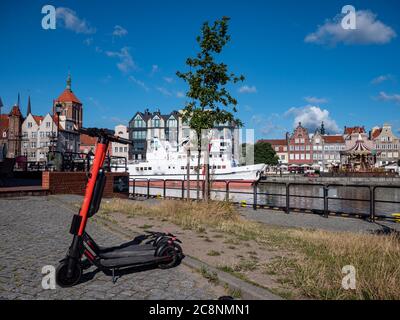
69, 81
28, 110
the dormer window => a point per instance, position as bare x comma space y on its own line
138, 122
156, 122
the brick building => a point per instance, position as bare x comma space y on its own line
300, 147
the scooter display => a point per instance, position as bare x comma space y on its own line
154, 248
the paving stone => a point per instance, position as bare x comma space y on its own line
34, 232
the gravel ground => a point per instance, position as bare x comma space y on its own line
34, 233
314, 221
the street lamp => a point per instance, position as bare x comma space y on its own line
58, 112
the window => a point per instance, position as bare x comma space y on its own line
41, 134
29, 124
156, 122
139, 135
138, 122
47, 124
291, 156
308, 156
125, 149
116, 149
33, 144
34, 134
172, 122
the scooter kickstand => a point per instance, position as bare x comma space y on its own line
114, 278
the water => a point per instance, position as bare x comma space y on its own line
351, 200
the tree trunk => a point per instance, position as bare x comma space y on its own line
198, 166
207, 173
188, 175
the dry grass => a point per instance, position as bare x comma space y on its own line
311, 261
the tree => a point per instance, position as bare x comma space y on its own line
210, 102
263, 153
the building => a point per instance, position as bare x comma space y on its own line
327, 150
280, 146
386, 146
300, 147
87, 144
119, 149
10, 131
71, 107
144, 126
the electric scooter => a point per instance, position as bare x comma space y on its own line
154, 248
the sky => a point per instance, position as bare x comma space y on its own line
299, 63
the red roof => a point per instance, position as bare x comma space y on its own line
68, 96
333, 139
38, 119
275, 142
15, 111
352, 130
3, 123
88, 140
376, 133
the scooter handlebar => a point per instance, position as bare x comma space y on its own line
104, 133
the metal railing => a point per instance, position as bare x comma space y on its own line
143, 187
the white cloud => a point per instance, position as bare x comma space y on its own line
139, 83
154, 69
164, 91
368, 30
126, 62
180, 94
119, 31
383, 96
315, 100
382, 78
88, 41
70, 20
168, 79
311, 117
247, 89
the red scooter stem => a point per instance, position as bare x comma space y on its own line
98, 162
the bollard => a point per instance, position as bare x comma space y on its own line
164, 189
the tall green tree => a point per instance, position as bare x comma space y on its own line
264, 153
210, 102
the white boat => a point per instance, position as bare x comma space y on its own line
164, 161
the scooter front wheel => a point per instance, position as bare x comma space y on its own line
61, 275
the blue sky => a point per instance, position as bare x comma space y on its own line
123, 56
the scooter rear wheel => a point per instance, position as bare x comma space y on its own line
175, 252
61, 275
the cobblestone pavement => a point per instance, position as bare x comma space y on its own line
34, 233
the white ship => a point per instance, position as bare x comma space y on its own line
170, 163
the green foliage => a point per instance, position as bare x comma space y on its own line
210, 101
263, 153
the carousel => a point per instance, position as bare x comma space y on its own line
358, 158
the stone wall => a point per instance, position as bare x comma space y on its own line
75, 183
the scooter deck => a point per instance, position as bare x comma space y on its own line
131, 261
134, 250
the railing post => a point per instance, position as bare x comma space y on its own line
287, 198
183, 189
372, 203
326, 192
148, 188
227, 190
134, 188
255, 195
164, 189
